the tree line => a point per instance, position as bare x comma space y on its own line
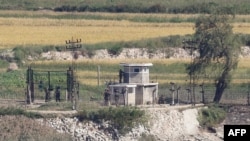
131, 6
204, 8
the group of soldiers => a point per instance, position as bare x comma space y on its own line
117, 94
107, 96
57, 94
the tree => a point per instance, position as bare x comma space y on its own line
218, 50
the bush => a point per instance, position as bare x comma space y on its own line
123, 119
244, 39
115, 50
211, 116
19, 53
3, 63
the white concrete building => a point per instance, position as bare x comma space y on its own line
135, 87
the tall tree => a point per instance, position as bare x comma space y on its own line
218, 50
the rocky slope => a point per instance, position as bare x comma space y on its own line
166, 123
129, 53
132, 53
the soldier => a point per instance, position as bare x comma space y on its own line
58, 93
106, 97
161, 99
47, 94
116, 97
120, 75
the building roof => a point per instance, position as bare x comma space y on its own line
136, 64
133, 84
123, 85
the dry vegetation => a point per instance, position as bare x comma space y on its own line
20, 128
52, 31
55, 32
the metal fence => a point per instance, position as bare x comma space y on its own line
233, 95
183, 96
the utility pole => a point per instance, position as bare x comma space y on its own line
190, 45
73, 45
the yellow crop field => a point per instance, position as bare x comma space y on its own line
44, 31
33, 31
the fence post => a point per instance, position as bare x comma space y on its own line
172, 90
178, 94
202, 93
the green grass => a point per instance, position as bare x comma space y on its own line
142, 17
56, 106
18, 112
13, 84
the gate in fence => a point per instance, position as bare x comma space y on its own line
52, 84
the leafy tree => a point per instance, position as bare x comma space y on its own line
218, 48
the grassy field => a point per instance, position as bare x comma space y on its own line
163, 70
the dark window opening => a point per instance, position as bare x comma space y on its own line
136, 70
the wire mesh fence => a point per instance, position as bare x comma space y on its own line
232, 95
196, 95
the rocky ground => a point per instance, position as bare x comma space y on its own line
129, 53
126, 53
166, 123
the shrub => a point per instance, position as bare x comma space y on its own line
4, 63
115, 50
121, 118
211, 116
19, 54
244, 39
